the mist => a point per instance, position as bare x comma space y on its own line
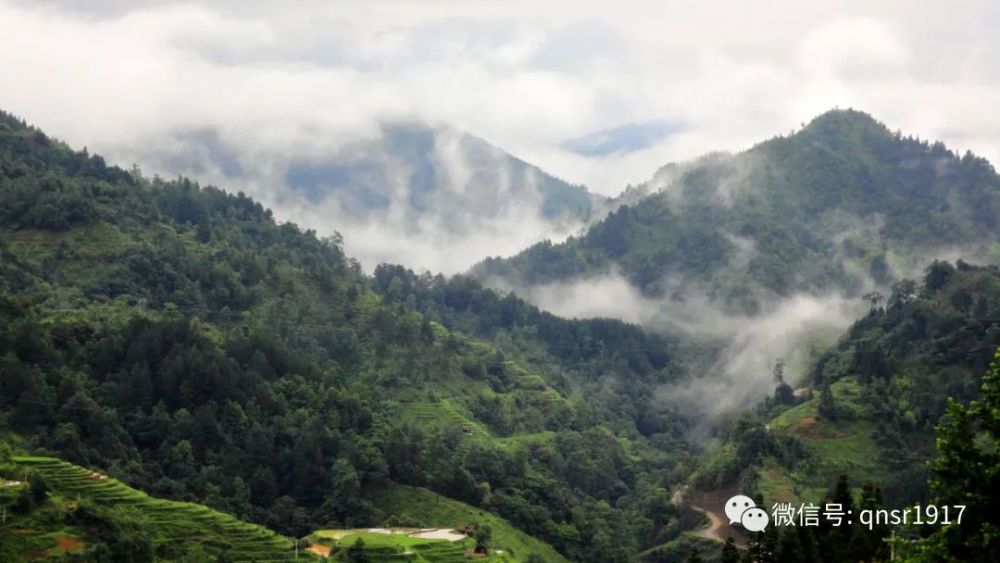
739, 375
741, 348
428, 197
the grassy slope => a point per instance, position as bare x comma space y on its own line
420, 507
191, 527
840, 447
386, 548
683, 548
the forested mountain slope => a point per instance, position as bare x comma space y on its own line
429, 196
182, 340
438, 170
897, 413
878, 405
841, 205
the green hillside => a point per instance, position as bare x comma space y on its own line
843, 446
179, 339
876, 396
839, 202
379, 547
870, 431
406, 506
86, 513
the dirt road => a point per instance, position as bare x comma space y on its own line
715, 526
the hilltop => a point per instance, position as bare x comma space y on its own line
840, 205
179, 339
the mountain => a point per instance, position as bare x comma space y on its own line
436, 170
64, 510
842, 205
878, 418
764, 255
389, 191
179, 339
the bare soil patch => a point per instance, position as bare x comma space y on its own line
319, 549
810, 427
70, 545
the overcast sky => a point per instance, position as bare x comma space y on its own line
596, 93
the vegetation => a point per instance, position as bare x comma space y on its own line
180, 340
899, 372
65, 509
841, 201
967, 472
412, 506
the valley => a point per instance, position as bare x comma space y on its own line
189, 378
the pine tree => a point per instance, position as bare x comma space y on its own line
790, 546
356, 553
967, 472
827, 408
729, 552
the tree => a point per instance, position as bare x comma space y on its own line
783, 394
967, 472
867, 544
729, 552
779, 371
937, 275
827, 408
874, 299
790, 546
484, 535
836, 539
39, 489
356, 553
24, 502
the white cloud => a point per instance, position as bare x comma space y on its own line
121, 77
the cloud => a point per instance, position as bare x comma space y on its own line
741, 373
729, 347
607, 295
742, 348
129, 78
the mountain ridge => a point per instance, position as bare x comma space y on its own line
775, 194
181, 338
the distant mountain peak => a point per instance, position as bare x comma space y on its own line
843, 121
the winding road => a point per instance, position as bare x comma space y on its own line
714, 529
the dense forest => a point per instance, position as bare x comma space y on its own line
888, 415
181, 339
840, 205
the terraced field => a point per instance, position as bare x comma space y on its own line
171, 523
414, 506
442, 414
397, 547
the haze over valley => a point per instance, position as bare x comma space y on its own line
436, 282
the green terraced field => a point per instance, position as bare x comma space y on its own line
415, 506
170, 523
445, 414
386, 548
442, 414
